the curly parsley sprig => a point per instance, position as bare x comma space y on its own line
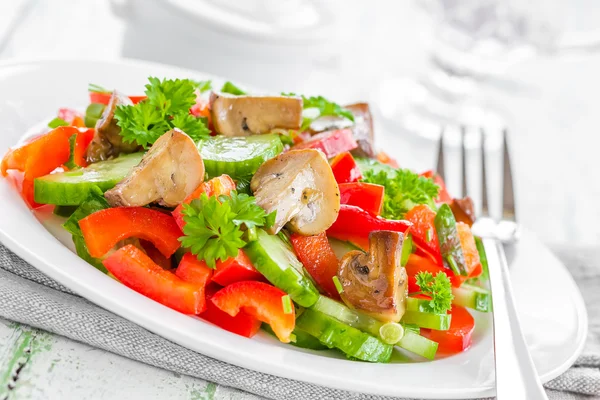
167, 106
214, 228
438, 288
403, 190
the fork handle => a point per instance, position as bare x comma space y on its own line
516, 376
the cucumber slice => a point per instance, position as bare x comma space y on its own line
238, 157
303, 340
277, 262
92, 114
439, 322
472, 297
71, 188
418, 344
341, 247
335, 334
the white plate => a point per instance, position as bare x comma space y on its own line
552, 310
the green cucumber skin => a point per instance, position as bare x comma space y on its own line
445, 225
351, 341
238, 157
472, 297
304, 340
418, 344
272, 258
71, 188
439, 322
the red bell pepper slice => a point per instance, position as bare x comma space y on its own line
424, 233
242, 324
132, 267
103, 229
367, 196
82, 141
318, 258
71, 117
104, 98
236, 269
192, 270
355, 224
261, 301
155, 255
459, 337
221, 185
345, 169
417, 263
331, 143
443, 195
383, 158
39, 157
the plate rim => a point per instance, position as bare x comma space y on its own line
113, 306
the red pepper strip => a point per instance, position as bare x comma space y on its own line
383, 158
236, 269
243, 324
355, 224
104, 98
422, 217
345, 169
318, 258
39, 157
367, 196
194, 271
443, 196
260, 300
155, 255
218, 186
83, 140
72, 117
103, 229
459, 337
331, 143
136, 270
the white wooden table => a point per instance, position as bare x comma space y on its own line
555, 150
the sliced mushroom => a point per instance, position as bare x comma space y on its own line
375, 282
300, 186
463, 210
247, 115
170, 171
107, 141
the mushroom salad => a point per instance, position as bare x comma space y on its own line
262, 211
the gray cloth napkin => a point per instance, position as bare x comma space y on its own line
29, 297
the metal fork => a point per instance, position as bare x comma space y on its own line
516, 376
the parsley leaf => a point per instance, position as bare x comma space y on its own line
403, 190
230, 88
195, 127
324, 108
438, 288
203, 86
142, 123
167, 106
214, 228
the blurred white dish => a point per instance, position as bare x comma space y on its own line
553, 314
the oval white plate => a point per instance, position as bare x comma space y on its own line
552, 310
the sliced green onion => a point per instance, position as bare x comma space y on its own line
453, 265
429, 236
391, 332
338, 284
56, 122
252, 234
287, 304
406, 249
92, 87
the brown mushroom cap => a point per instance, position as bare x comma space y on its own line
463, 210
247, 115
375, 282
300, 186
169, 172
107, 141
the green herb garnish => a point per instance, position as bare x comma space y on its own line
438, 288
